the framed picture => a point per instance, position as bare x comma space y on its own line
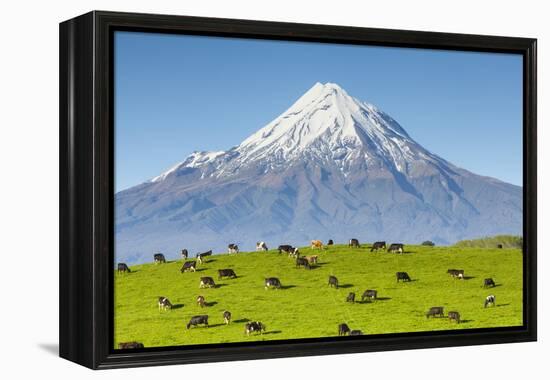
237, 189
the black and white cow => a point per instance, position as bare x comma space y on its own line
261, 246
343, 329
369, 295
227, 317
378, 245
302, 262
184, 254
456, 273
198, 320
396, 248
350, 297
252, 327
189, 266
355, 332
201, 257
333, 281
490, 300
123, 268
489, 282
354, 243
404, 276
159, 258
435, 311
207, 282
286, 249
201, 301
129, 345
226, 273
233, 248
454, 316
330, 242
272, 282
164, 304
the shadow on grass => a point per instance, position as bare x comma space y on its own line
177, 306
219, 285
345, 286
287, 286
216, 325
462, 321
208, 304
501, 305
383, 299
272, 332
242, 320
468, 277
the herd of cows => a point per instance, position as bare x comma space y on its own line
307, 262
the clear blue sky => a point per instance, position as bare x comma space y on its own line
177, 94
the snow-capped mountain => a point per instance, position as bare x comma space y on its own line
330, 166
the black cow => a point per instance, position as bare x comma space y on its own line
123, 268
233, 248
490, 300
354, 243
355, 332
251, 327
350, 297
302, 262
369, 294
189, 266
129, 345
488, 282
198, 320
285, 248
201, 256
261, 246
201, 301
207, 282
333, 281
499, 246
227, 317
272, 282
454, 316
226, 273
435, 311
456, 273
164, 303
343, 329
378, 245
159, 258
184, 254
404, 276
396, 247
330, 242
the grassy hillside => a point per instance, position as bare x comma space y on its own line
307, 307
507, 241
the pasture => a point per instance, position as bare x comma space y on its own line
306, 306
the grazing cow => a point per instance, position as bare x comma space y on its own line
333, 281
312, 259
396, 248
354, 243
499, 246
251, 327
404, 276
261, 246
201, 257
435, 311
198, 320
227, 317
164, 304
184, 254
286, 249
454, 316
123, 268
129, 345
294, 253
355, 332
316, 244
330, 242
189, 266
272, 282
490, 300
207, 282
201, 301
378, 245
343, 329
369, 294
226, 273
456, 273
350, 297
233, 248
488, 282
302, 262
159, 258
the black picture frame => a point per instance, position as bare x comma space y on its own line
86, 188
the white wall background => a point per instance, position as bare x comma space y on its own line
29, 190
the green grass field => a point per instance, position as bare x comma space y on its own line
307, 307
